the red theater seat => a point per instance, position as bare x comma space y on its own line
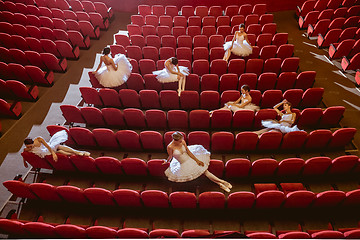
108, 165
84, 164
212, 200
134, 166
299, 199
183, 200
40, 230
70, 231
127, 198
45, 191
241, 200
19, 189
264, 167
290, 167
72, 194
151, 140
155, 198
101, 232
270, 199
99, 196
237, 168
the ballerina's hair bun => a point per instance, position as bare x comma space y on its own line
106, 51
242, 25
174, 60
245, 87
177, 135
28, 141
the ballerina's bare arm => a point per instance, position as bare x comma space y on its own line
247, 39
233, 40
43, 142
246, 101
170, 152
277, 110
167, 66
200, 163
101, 62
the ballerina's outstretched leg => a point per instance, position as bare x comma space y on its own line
226, 186
227, 55
70, 151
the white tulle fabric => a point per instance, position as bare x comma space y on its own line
183, 168
241, 47
236, 107
284, 127
54, 142
165, 76
108, 77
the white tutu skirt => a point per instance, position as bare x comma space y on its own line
165, 76
242, 49
188, 170
55, 141
249, 106
283, 127
108, 77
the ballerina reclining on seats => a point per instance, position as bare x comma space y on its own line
42, 148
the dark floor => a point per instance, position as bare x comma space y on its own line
339, 90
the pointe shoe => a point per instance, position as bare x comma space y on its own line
86, 154
223, 187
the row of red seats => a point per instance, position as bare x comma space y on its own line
197, 41
324, 25
351, 17
220, 66
184, 53
16, 89
45, 61
146, 30
346, 48
208, 99
319, 5
201, 11
59, 48
179, 119
20, 228
220, 141
84, 27
29, 74
227, 81
75, 5
75, 38
338, 35
67, 13
233, 168
207, 200
10, 109
181, 21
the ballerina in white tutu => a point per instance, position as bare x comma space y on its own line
42, 148
189, 163
244, 102
239, 46
173, 73
285, 123
115, 72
